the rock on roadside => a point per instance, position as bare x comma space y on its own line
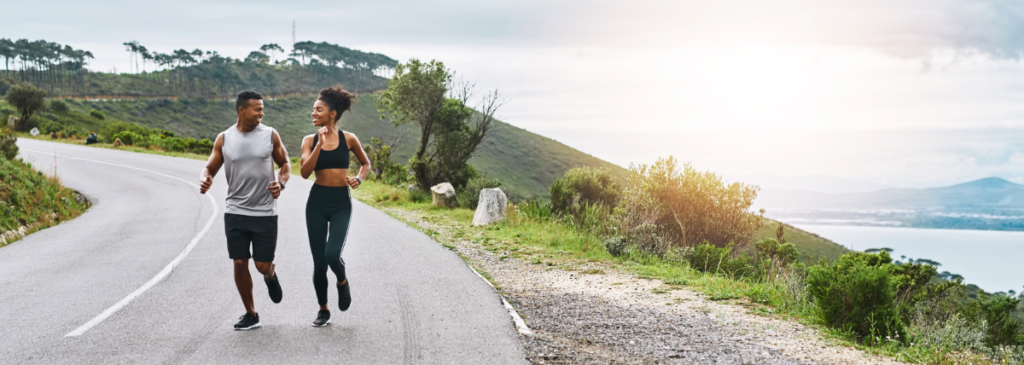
491, 207
444, 195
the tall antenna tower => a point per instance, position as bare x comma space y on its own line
293, 32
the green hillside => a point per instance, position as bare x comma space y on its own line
809, 244
525, 163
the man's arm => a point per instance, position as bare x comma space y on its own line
281, 158
213, 165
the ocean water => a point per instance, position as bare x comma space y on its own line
989, 259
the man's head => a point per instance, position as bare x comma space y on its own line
249, 106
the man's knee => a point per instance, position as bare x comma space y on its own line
264, 267
241, 263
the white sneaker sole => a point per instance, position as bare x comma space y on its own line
255, 326
325, 323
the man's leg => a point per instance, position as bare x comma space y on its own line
264, 245
244, 284
265, 268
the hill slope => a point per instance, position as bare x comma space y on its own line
525, 163
810, 245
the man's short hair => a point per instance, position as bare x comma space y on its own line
245, 96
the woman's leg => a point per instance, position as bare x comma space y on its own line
335, 245
336, 241
316, 228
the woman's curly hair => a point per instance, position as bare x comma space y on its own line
337, 98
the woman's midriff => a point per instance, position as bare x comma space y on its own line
331, 177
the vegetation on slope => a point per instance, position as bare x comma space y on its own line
812, 246
30, 200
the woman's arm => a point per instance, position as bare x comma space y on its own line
364, 162
309, 155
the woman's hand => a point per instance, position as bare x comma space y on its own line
353, 182
322, 136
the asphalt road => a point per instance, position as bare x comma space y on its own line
413, 300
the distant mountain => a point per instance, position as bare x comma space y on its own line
990, 192
815, 183
991, 203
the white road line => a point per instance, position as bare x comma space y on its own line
163, 274
520, 323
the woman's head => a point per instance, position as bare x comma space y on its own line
332, 102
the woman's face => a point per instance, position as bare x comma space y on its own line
322, 114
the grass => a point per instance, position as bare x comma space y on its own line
30, 199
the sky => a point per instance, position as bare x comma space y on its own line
915, 93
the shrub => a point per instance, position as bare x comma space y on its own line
537, 210
857, 294
70, 131
469, 196
581, 186
114, 128
97, 114
615, 246
688, 207
1002, 328
384, 169
58, 106
8, 146
712, 259
128, 137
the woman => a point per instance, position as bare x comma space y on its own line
329, 207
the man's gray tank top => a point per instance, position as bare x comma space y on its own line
249, 168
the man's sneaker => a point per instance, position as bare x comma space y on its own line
323, 317
274, 287
247, 321
344, 297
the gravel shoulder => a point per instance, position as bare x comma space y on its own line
595, 313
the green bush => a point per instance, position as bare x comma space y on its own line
686, 206
857, 294
537, 210
8, 146
97, 114
114, 128
469, 196
581, 186
58, 106
129, 138
1003, 329
712, 259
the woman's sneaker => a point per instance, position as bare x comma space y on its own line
344, 297
248, 321
274, 288
323, 317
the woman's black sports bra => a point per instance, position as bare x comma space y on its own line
333, 159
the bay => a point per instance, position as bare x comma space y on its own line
988, 259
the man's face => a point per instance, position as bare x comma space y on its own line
253, 113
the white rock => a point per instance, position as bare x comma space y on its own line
34, 132
444, 195
491, 207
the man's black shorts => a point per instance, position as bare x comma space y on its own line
242, 230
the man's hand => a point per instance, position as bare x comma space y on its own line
275, 189
204, 184
353, 182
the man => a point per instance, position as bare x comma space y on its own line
250, 215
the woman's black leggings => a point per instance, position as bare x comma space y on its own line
328, 213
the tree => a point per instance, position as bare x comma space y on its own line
258, 57
272, 49
27, 99
450, 131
